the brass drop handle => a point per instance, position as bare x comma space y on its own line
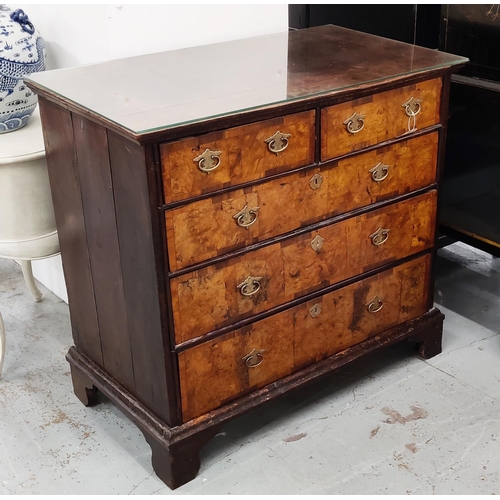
254, 358
412, 109
412, 106
250, 286
380, 236
208, 160
246, 216
355, 123
379, 172
278, 142
375, 304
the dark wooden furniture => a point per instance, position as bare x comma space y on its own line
235, 225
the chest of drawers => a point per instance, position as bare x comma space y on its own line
226, 242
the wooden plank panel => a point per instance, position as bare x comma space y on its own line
143, 283
244, 155
210, 298
66, 195
385, 118
215, 373
207, 228
102, 241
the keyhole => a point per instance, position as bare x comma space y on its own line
316, 181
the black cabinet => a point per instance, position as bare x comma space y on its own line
470, 198
407, 23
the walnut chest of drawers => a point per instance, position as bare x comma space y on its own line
235, 225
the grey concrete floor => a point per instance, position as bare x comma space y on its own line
391, 424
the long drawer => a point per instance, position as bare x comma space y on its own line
357, 124
220, 294
237, 155
218, 371
212, 227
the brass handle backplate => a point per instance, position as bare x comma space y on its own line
246, 216
250, 286
278, 142
355, 123
254, 358
412, 106
208, 160
379, 172
375, 304
380, 236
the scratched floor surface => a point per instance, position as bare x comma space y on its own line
392, 424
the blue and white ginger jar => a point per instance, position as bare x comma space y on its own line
22, 52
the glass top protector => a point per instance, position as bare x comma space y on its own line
168, 89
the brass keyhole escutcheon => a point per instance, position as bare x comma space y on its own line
380, 236
278, 142
315, 310
317, 243
250, 286
254, 358
316, 181
379, 172
375, 304
355, 123
246, 216
208, 160
412, 106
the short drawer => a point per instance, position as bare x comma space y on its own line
218, 371
215, 226
364, 122
237, 155
218, 295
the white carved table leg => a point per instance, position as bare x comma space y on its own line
2, 344
30, 281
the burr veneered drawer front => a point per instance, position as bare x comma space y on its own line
220, 370
354, 125
206, 163
211, 227
218, 295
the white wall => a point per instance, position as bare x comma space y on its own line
85, 34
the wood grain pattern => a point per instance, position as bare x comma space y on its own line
209, 298
119, 226
91, 142
244, 155
64, 180
143, 282
207, 228
212, 374
385, 118
179, 446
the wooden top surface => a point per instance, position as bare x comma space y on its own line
165, 90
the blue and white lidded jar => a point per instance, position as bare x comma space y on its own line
22, 52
